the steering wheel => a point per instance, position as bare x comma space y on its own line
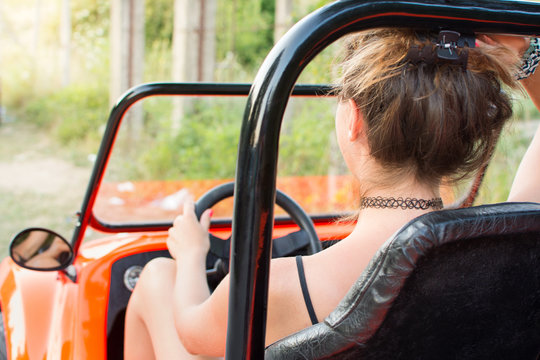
299, 216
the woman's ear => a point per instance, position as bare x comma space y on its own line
356, 121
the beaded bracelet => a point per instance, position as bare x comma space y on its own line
531, 58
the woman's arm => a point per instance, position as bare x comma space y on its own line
526, 185
200, 319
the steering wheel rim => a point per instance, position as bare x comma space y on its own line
295, 211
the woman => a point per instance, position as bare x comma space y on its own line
404, 121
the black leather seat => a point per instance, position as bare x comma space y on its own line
453, 284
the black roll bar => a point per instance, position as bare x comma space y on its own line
258, 147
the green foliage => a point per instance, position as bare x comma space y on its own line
511, 147
204, 147
74, 114
305, 145
525, 110
206, 144
245, 28
159, 22
90, 20
158, 61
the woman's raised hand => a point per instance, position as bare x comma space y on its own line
188, 236
517, 44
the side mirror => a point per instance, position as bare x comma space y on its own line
40, 249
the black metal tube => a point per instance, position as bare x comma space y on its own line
258, 147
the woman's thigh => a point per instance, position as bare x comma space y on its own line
151, 305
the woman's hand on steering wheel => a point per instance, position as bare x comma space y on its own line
189, 236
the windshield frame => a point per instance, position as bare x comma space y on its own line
86, 215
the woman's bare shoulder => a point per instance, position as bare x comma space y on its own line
286, 309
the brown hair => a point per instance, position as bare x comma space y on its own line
432, 120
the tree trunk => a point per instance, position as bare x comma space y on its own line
194, 47
282, 23
65, 42
283, 18
127, 56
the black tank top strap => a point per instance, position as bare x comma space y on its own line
305, 291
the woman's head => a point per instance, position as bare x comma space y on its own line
428, 120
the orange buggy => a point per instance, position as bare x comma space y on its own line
74, 306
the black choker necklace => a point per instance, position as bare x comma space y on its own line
393, 203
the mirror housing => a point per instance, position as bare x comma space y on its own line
40, 249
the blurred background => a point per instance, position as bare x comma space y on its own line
64, 63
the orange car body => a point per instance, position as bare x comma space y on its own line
48, 316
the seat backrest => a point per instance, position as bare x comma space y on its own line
452, 284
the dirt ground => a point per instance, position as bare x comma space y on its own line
39, 185
44, 175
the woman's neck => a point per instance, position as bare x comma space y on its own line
379, 223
